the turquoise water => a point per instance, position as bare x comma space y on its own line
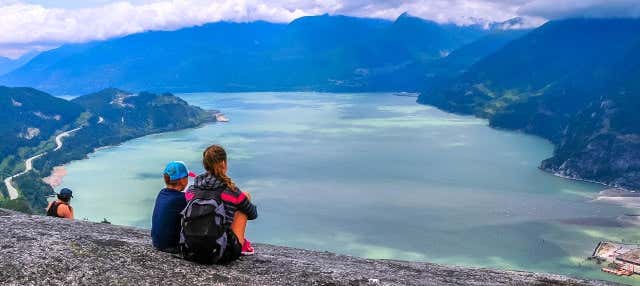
372, 175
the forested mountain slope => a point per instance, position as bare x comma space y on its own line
562, 79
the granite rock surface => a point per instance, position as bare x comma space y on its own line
38, 250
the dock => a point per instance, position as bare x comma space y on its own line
623, 258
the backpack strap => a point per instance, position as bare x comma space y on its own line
53, 209
207, 194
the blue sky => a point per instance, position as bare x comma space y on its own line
43, 24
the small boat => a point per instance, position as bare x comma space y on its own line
220, 118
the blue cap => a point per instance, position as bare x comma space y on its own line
65, 193
176, 170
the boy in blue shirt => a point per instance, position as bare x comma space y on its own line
165, 224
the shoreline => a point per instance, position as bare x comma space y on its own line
608, 186
58, 172
56, 177
55, 180
624, 198
550, 171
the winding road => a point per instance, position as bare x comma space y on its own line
62, 135
13, 192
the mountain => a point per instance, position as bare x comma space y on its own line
116, 116
30, 118
548, 81
603, 140
325, 52
424, 40
143, 112
7, 64
171, 59
458, 61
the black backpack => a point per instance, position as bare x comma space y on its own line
203, 237
53, 209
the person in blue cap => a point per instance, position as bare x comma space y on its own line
165, 223
61, 207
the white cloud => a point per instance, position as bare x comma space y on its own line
25, 26
26, 23
554, 9
462, 12
31, 26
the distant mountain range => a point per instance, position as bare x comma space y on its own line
30, 119
575, 82
324, 53
7, 65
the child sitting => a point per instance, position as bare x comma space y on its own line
165, 224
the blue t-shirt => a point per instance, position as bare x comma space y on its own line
165, 224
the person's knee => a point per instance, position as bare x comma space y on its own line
239, 216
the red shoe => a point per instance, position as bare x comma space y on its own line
247, 249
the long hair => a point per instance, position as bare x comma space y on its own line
213, 159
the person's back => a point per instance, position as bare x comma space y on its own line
233, 199
165, 223
61, 207
237, 204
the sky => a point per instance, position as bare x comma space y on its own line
27, 25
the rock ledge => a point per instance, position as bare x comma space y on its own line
37, 250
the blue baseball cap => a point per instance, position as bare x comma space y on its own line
65, 193
177, 170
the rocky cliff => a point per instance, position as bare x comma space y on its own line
37, 250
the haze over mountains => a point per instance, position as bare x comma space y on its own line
332, 53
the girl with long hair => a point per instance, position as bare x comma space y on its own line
238, 206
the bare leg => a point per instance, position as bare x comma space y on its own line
239, 225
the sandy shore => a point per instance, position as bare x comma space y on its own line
57, 174
622, 197
625, 198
